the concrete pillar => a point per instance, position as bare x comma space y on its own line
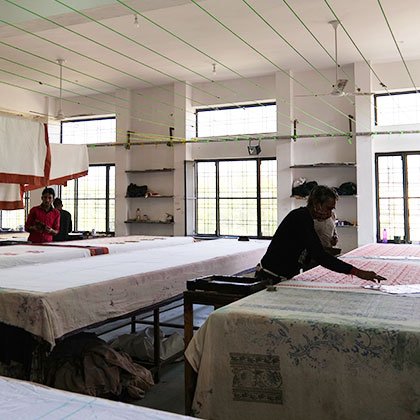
284, 100
122, 163
184, 127
365, 158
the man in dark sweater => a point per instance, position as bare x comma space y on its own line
65, 222
296, 233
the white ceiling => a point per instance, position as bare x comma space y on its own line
107, 59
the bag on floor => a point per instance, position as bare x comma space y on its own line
141, 345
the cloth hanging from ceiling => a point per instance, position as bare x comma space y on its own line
25, 151
11, 197
68, 161
31, 162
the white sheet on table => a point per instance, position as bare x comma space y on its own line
61, 297
17, 255
309, 354
402, 289
27, 400
120, 244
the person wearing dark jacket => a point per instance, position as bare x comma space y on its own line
296, 233
65, 222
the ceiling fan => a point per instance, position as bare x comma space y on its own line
340, 84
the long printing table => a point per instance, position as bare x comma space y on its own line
62, 297
314, 349
65, 296
28, 254
30, 401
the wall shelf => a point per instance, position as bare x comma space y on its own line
151, 222
157, 203
326, 165
153, 196
145, 171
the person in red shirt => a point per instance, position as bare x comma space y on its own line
43, 221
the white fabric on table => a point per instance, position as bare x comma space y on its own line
384, 251
30, 401
306, 353
64, 296
17, 255
120, 244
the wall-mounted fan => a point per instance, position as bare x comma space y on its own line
340, 84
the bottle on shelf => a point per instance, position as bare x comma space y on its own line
138, 215
384, 236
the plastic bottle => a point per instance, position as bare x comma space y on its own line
138, 215
384, 236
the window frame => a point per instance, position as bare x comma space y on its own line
258, 198
222, 108
26, 200
107, 198
375, 105
81, 119
405, 197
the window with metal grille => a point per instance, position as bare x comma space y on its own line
15, 219
398, 195
236, 197
87, 131
91, 199
231, 120
397, 108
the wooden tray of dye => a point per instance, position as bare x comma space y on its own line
227, 284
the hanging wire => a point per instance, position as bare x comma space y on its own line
90, 98
142, 45
360, 52
398, 48
288, 43
319, 43
145, 46
207, 106
161, 55
217, 61
49, 20
355, 46
338, 66
300, 55
147, 139
115, 51
323, 122
92, 77
268, 59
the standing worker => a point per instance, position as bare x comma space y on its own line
43, 221
66, 225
